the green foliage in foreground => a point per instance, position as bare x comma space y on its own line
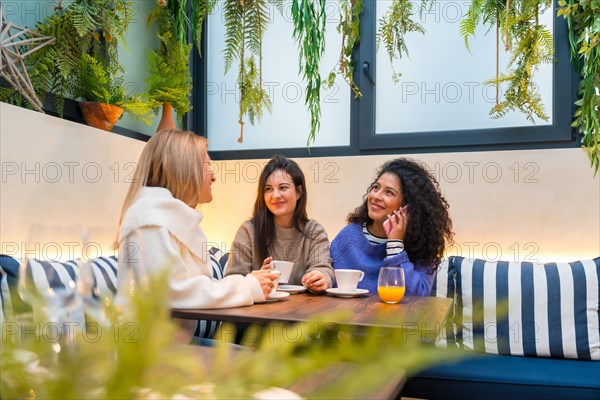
132, 356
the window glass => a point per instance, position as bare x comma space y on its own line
288, 125
443, 85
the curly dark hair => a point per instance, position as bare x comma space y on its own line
429, 228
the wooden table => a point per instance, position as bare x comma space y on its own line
389, 389
419, 315
426, 314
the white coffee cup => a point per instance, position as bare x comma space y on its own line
276, 281
347, 279
285, 267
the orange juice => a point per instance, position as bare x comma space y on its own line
391, 294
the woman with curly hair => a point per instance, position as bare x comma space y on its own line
419, 228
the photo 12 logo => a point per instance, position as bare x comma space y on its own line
494, 251
68, 332
66, 172
287, 92
488, 172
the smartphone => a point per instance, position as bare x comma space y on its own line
387, 226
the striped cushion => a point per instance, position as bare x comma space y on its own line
529, 309
218, 259
444, 286
207, 328
105, 276
53, 276
9, 299
56, 275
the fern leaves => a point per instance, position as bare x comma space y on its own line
583, 17
245, 24
233, 13
256, 22
93, 27
309, 30
253, 98
396, 23
349, 28
94, 81
530, 43
200, 10
169, 80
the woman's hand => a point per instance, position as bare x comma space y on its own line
265, 279
267, 263
315, 281
399, 223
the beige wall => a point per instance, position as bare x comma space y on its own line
514, 205
57, 175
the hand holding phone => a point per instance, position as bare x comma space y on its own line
387, 225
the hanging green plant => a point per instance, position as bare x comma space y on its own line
583, 18
349, 28
178, 9
169, 79
394, 25
245, 25
517, 25
309, 20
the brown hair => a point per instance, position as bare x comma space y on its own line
262, 218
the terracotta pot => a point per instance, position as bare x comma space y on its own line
166, 120
100, 115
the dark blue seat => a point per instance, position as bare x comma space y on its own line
489, 377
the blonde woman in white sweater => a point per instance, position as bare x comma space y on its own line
159, 228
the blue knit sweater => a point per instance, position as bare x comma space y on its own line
351, 250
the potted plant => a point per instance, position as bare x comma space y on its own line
83, 27
104, 96
169, 82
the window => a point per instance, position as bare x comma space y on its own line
289, 123
440, 103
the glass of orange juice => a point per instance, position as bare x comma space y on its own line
390, 285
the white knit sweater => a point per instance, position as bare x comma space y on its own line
158, 232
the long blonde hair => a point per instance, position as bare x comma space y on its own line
172, 159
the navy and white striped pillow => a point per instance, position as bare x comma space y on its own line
46, 275
218, 259
53, 275
207, 328
56, 274
10, 301
444, 286
529, 309
105, 276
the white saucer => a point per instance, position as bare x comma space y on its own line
339, 293
291, 289
278, 296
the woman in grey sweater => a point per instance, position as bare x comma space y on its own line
280, 230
